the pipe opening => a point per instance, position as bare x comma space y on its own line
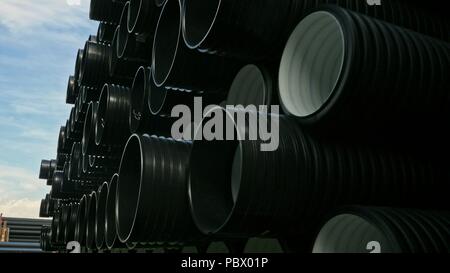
134, 12
113, 58
166, 42
80, 226
348, 233
198, 20
248, 88
128, 187
123, 35
311, 65
212, 203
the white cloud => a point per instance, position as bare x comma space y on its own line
20, 15
25, 208
20, 192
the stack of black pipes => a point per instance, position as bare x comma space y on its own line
364, 112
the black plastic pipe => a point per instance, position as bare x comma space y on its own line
352, 73
57, 187
78, 64
80, 227
88, 140
257, 192
129, 50
71, 223
143, 17
152, 204
90, 224
55, 223
71, 94
176, 66
105, 32
111, 127
144, 95
94, 70
100, 219
384, 230
63, 222
106, 10
47, 168
110, 225
255, 29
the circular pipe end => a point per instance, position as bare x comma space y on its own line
312, 64
199, 19
166, 42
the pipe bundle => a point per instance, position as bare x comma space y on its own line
360, 137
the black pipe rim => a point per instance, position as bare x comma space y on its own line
210, 218
123, 35
100, 216
80, 225
103, 105
166, 18
126, 209
110, 224
139, 92
204, 6
134, 12
90, 225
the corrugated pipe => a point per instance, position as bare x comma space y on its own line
172, 61
141, 117
259, 192
100, 218
338, 63
90, 224
105, 32
258, 29
146, 215
384, 230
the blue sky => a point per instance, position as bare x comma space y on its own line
38, 44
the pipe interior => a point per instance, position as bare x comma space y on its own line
311, 64
166, 42
248, 88
348, 233
214, 182
128, 188
198, 20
